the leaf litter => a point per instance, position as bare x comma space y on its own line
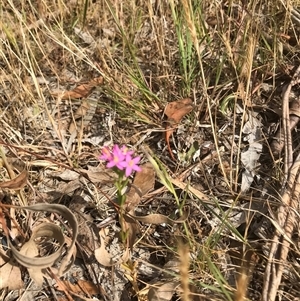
250, 157
29, 254
63, 128
175, 111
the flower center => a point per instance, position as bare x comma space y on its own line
130, 163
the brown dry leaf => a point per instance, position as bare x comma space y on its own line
81, 286
164, 292
37, 275
3, 223
157, 218
66, 175
81, 91
175, 111
8, 272
98, 175
188, 188
101, 254
130, 226
29, 249
80, 113
17, 183
142, 183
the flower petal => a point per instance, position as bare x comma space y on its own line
128, 171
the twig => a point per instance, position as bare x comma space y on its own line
287, 211
288, 148
12, 175
281, 240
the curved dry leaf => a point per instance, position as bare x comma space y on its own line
175, 111
130, 227
101, 254
37, 276
143, 182
81, 286
8, 272
157, 218
190, 189
26, 256
81, 91
80, 113
98, 175
164, 292
17, 183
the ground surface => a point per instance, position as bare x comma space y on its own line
206, 92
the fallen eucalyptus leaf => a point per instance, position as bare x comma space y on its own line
157, 218
16, 183
142, 183
98, 175
101, 254
175, 111
164, 292
8, 272
81, 286
80, 91
250, 157
37, 275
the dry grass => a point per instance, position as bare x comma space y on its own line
230, 57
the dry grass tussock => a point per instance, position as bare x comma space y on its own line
78, 75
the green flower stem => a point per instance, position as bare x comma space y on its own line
120, 184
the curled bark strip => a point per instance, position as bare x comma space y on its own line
294, 117
278, 142
295, 107
281, 241
48, 230
28, 259
287, 211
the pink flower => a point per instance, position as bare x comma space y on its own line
106, 154
121, 158
125, 150
130, 164
117, 158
